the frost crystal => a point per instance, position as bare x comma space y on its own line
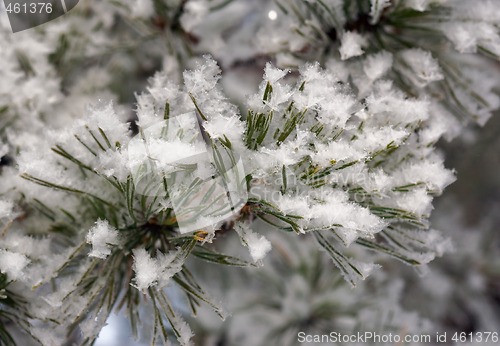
12, 264
424, 68
146, 270
257, 244
102, 237
155, 271
351, 45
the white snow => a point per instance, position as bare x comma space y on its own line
142, 8
6, 209
4, 149
102, 237
194, 12
146, 269
424, 68
351, 45
273, 74
13, 264
257, 244
155, 271
376, 65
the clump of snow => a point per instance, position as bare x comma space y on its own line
103, 116
155, 271
203, 78
393, 107
441, 124
273, 74
142, 8
468, 36
322, 93
423, 68
13, 264
257, 244
376, 65
336, 151
185, 332
113, 163
431, 172
102, 236
146, 269
194, 12
202, 85
351, 45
